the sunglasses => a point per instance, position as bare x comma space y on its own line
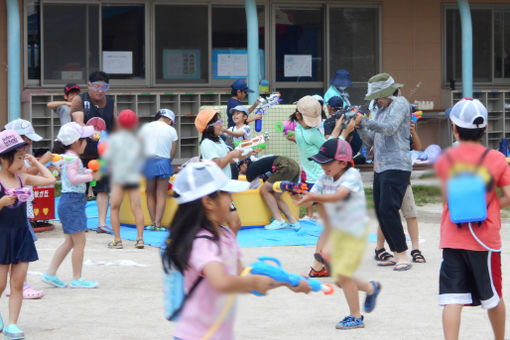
100, 86
218, 122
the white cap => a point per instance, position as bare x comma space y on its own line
167, 113
71, 132
319, 98
466, 111
23, 128
203, 178
241, 108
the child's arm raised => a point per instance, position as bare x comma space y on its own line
45, 176
339, 195
233, 133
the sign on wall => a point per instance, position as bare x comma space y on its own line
297, 65
233, 64
118, 62
181, 64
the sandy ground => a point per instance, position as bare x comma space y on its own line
129, 304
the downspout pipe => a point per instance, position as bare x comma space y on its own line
467, 48
252, 25
13, 59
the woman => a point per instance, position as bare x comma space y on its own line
389, 133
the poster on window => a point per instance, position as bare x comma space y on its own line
181, 64
118, 62
297, 65
233, 64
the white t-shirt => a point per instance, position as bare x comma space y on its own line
350, 214
157, 138
211, 150
245, 129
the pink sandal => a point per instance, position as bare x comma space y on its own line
29, 293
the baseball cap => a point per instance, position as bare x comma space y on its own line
167, 113
466, 111
203, 118
241, 85
127, 119
333, 149
336, 102
310, 109
10, 140
23, 128
71, 132
241, 108
319, 98
200, 179
71, 86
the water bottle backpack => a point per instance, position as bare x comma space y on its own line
173, 290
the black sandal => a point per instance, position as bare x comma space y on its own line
382, 255
418, 256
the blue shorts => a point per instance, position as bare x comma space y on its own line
71, 211
158, 168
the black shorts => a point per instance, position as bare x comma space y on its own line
130, 186
469, 277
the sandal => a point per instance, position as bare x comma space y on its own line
402, 266
104, 229
30, 293
139, 244
321, 258
384, 258
115, 244
417, 256
321, 273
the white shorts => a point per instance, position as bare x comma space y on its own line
408, 205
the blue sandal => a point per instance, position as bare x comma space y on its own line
371, 299
12, 332
350, 322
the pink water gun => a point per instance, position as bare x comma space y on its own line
287, 127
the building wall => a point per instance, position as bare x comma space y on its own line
3, 64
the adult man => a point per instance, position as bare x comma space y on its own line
96, 109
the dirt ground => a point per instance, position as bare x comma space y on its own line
128, 303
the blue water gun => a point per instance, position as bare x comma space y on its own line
276, 272
265, 104
416, 115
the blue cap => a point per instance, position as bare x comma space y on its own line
336, 102
241, 108
341, 78
240, 85
167, 113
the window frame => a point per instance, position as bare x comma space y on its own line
496, 82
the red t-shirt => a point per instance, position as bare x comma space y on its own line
461, 238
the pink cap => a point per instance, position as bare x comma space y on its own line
10, 140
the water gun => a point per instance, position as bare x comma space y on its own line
416, 115
22, 194
96, 165
248, 145
102, 144
265, 104
276, 272
287, 127
349, 112
295, 188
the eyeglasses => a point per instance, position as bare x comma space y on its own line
100, 86
218, 122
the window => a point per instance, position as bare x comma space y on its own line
229, 41
123, 39
299, 44
71, 42
490, 50
182, 51
33, 41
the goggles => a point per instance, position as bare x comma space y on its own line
100, 86
218, 122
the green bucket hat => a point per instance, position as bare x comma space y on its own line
381, 85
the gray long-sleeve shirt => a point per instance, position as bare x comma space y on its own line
389, 133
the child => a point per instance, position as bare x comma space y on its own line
124, 157
239, 90
201, 246
340, 191
17, 247
241, 130
159, 140
470, 273
71, 138
63, 108
272, 169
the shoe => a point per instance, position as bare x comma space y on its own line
275, 225
296, 226
53, 280
104, 229
350, 322
115, 244
81, 283
139, 244
306, 218
13, 332
371, 299
30, 293
322, 258
321, 273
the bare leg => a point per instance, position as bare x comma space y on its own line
150, 194
4, 270
497, 317
18, 272
451, 321
324, 236
161, 194
136, 208
60, 255
117, 195
309, 212
266, 190
351, 294
412, 228
79, 240
284, 207
102, 207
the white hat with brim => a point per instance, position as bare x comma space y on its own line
203, 178
24, 128
71, 132
381, 85
310, 109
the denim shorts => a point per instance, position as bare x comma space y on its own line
158, 167
71, 211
